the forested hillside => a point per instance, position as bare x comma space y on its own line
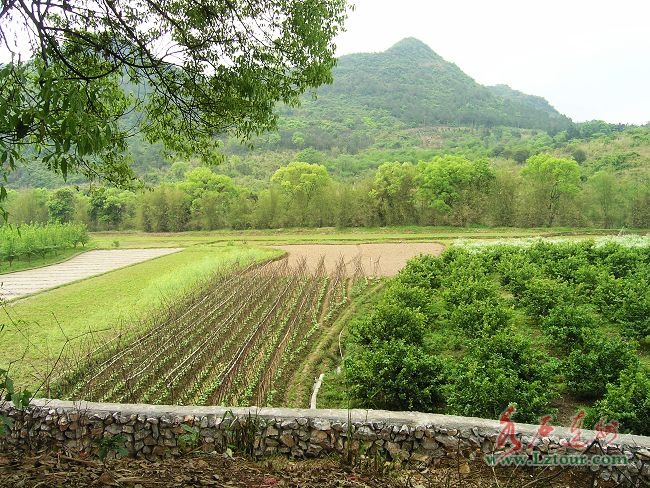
413, 85
400, 137
378, 101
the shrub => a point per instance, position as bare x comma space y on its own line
516, 273
626, 401
498, 371
620, 261
468, 289
565, 266
389, 322
418, 299
601, 359
423, 272
588, 277
395, 376
565, 323
626, 301
543, 294
481, 317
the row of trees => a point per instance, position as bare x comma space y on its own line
447, 190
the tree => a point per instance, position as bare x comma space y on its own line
303, 186
503, 197
393, 189
153, 211
202, 180
579, 155
604, 192
640, 205
551, 180
456, 186
182, 71
28, 206
210, 195
61, 205
110, 207
521, 155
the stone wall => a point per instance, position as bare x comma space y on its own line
154, 432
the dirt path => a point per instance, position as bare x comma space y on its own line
381, 259
91, 263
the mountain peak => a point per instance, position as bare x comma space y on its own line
413, 48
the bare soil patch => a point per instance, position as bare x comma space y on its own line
380, 259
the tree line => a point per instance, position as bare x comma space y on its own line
448, 190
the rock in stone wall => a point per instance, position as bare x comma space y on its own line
155, 432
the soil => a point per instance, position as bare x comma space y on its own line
53, 470
382, 259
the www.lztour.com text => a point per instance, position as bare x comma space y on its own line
539, 459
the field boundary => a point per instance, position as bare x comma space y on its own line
156, 431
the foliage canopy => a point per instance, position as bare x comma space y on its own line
208, 67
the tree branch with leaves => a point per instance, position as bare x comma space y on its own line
208, 67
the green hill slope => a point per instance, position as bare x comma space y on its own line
416, 86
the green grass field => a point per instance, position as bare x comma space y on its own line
37, 328
105, 240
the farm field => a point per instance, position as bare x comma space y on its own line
253, 336
375, 259
39, 328
236, 341
551, 327
221, 324
315, 283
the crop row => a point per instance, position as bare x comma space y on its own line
226, 344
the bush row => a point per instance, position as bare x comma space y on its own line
26, 242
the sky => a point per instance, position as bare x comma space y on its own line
589, 59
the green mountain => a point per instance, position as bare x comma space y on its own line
416, 86
376, 98
405, 98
